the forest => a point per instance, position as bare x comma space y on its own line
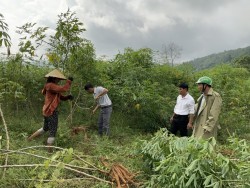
139, 151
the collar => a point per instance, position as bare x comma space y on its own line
186, 96
210, 91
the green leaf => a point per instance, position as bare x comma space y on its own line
217, 184
70, 150
190, 180
208, 180
46, 164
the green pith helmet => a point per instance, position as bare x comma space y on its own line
204, 80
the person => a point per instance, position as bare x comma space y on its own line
53, 95
103, 102
182, 118
207, 110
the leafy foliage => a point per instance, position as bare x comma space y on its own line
66, 39
188, 162
226, 57
143, 89
4, 36
243, 62
31, 38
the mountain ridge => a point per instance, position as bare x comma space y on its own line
214, 59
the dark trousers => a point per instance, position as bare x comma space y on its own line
179, 123
103, 121
51, 124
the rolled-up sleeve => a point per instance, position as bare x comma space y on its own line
191, 106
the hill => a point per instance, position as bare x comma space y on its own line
219, 58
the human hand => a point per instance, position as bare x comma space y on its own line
98, 97
171, 119
70, 78
206, 131
189, 126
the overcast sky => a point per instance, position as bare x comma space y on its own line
199, 27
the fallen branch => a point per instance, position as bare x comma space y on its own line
39, 156
7, 139
46, 180
90, 164
55, 147
68, 168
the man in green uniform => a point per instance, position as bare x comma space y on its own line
207, 110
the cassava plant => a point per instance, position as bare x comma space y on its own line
188, 162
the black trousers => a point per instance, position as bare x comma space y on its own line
179, 123
51, 124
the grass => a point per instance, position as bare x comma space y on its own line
119, 147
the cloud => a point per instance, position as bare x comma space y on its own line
200, 27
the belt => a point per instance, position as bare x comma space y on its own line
177, 115
106, 106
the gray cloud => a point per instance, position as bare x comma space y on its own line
200, 27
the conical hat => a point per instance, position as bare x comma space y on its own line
56, 74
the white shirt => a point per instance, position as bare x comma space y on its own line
202, 103
184, 105
103, 100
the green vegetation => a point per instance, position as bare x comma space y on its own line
226, 57
143, 94
186, 162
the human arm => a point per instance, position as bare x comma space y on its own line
104, 92
97, 106
213, 115
54, 88
191, 110
190, 121
172, 117
67, 97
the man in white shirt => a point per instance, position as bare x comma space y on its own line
182, 118
103, 102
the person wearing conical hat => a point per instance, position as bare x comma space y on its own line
207, 110
53, 95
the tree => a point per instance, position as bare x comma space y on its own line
31, 38
4, 36
243, 62
140, 58
66, 39
171, 52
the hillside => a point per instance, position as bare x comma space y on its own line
219, 58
